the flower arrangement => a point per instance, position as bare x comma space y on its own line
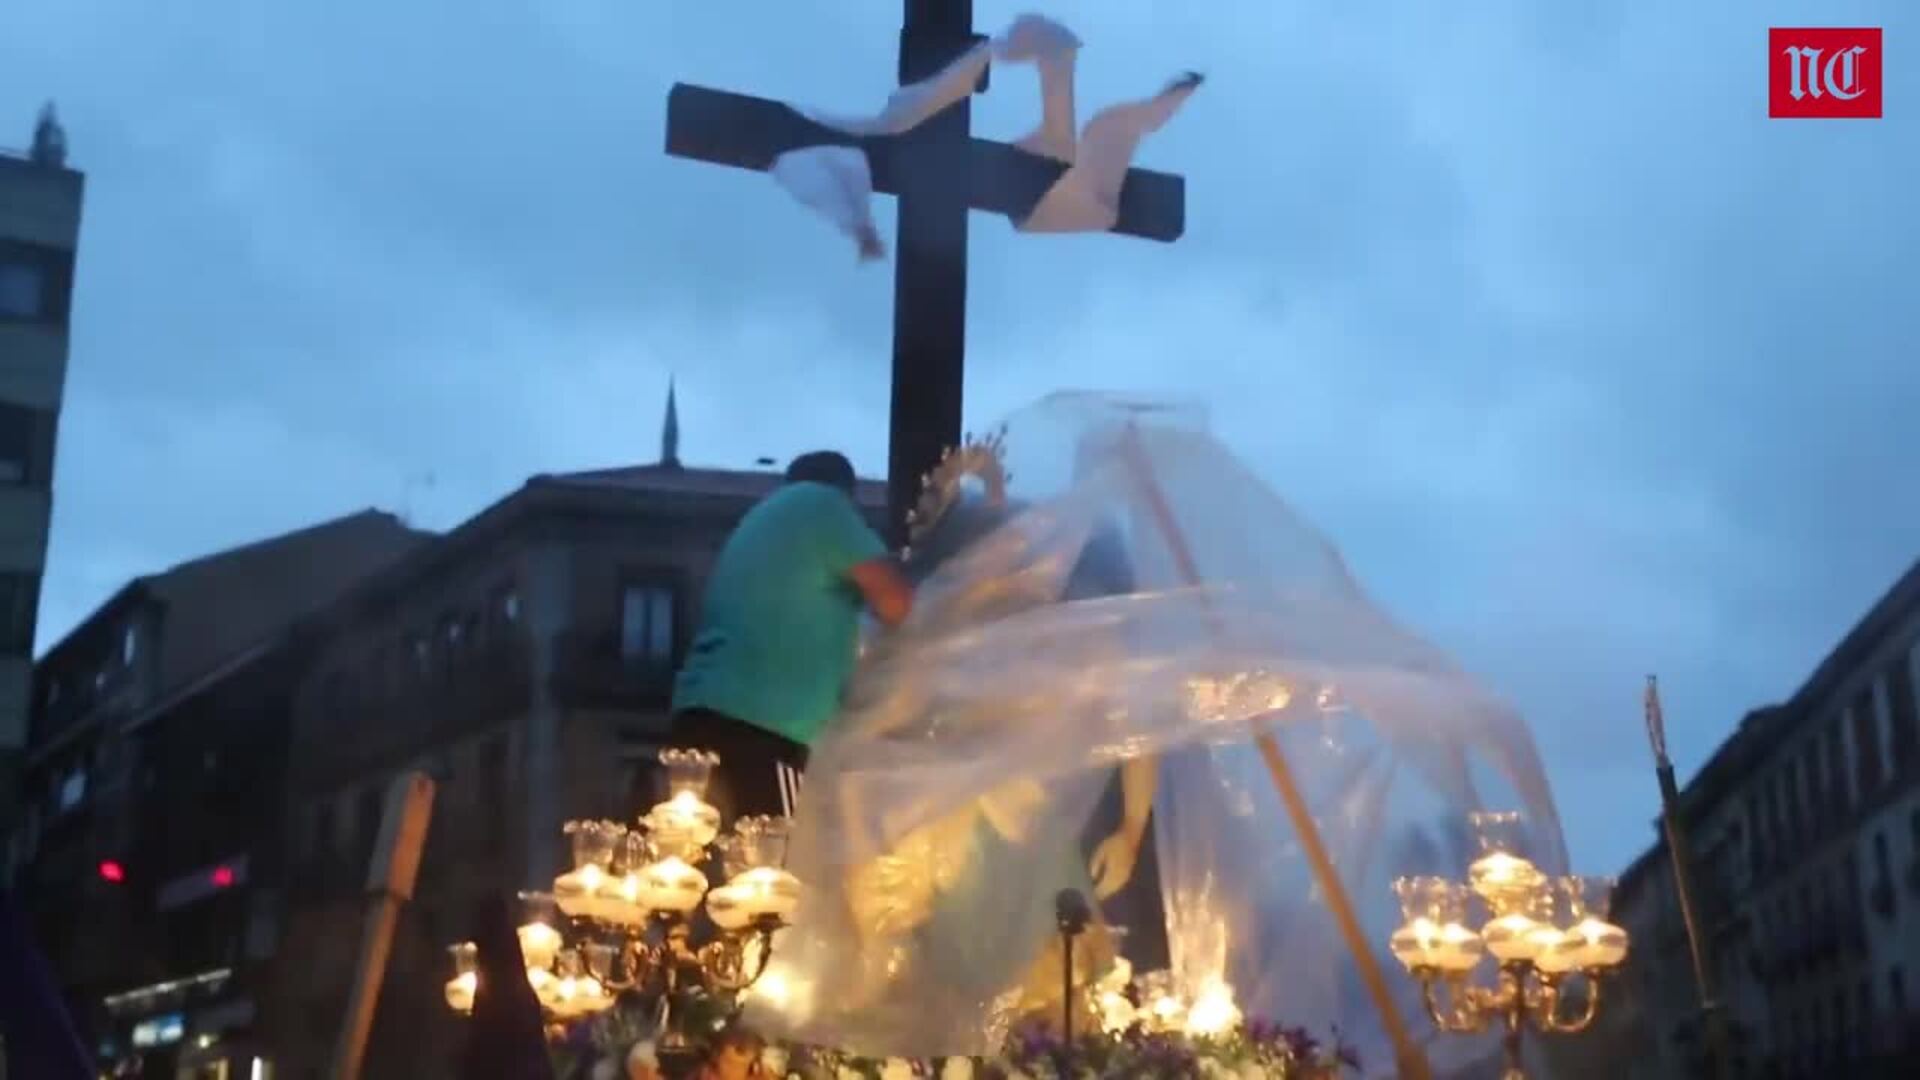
601, 1047
1254, 1051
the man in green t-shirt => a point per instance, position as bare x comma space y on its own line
778, 633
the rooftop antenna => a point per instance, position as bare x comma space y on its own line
418, 482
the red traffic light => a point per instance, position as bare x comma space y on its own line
112, 871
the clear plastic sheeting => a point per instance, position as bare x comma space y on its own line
1143, 598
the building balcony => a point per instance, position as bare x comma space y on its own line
592, 671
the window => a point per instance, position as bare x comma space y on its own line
73, 789
19, 602
1897, 991
1901, 711
422, 650
1866, 742
646, 623
129, 645
23, 290
508, 605
26, 446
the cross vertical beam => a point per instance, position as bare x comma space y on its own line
938, 171
934, 178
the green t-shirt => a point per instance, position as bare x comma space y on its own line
780, 622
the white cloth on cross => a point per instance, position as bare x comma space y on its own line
837, 183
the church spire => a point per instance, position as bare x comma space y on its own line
670, 431
49, 139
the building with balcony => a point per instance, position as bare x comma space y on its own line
146, 855
525, 661
40, 201
1805, 832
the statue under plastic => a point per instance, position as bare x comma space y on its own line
1142, 606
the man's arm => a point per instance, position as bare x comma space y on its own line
887, 593
853, 551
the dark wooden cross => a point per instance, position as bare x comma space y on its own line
939, 172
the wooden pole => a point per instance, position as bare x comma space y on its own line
1410, 1059
390, 877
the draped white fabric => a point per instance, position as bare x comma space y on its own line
951, 800
836, 182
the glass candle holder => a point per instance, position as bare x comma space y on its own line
1501, 873
595, 843
767, 892
762, 840
1517, 931
684, 824
466, 976
732, 856
539, 941
1428, 906
1596, 943
727, 907
672, 885
688, 771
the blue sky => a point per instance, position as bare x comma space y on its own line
1590, 368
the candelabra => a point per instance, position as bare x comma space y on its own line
630, 906
1550, 943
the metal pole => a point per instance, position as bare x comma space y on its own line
1713, 1019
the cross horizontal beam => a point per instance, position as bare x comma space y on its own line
747, 132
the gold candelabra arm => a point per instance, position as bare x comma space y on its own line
1454, 1004
638, 963
725, 959
1549, 1017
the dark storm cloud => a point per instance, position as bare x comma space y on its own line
1590, 367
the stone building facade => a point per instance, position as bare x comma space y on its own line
152, 791
1805, 829
40, 201
525, 661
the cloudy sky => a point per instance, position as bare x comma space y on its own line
1590, 368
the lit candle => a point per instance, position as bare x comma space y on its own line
460, 991
685, 821
618, 900
466, 976
1512, 938
1213, 1011
538, 944
1600, 944
768, 891
1417, 944
1460, 949
576, 892
727, 907
672, 885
